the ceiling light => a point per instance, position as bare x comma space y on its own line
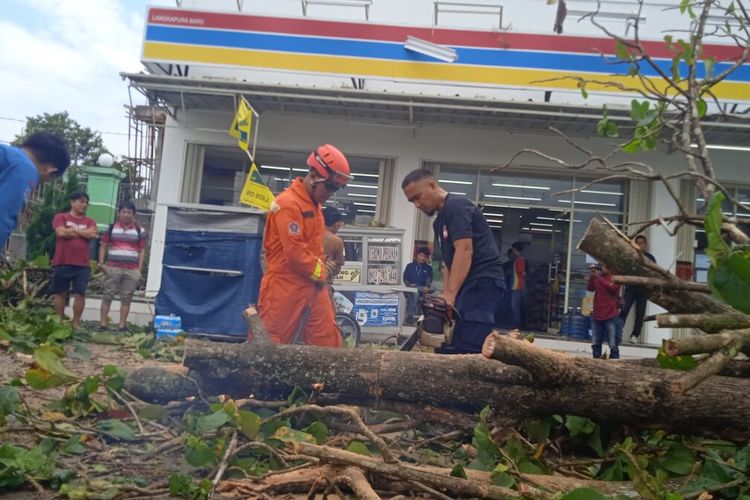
280, 179
440, 52
503, 197
366, 186
365, 211
364, 204
456, 182
541, 229
577, 202
493, 215
724, 146
524, 229
362, 195
590, 191
271, 167
540, 224
495, 220
496, 227
540, 188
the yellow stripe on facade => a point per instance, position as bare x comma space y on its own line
436, 72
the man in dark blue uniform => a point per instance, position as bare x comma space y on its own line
473, 280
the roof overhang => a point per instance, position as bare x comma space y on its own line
412, 110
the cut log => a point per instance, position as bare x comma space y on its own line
598, 389
621, 257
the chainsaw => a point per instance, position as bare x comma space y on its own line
435, 326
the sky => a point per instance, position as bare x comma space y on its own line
66, 55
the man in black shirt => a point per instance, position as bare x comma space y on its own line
473, 279
636, 295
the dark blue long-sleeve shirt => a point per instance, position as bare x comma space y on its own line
419, 275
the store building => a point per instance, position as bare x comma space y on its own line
353, 82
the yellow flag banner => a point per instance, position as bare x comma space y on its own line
242, 124
255, 192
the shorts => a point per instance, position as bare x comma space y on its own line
65, 276
120, 281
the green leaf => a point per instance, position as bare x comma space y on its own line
211, 423
288, 435
40, 379
632, 146
684, 4
701, 107
675, 67
679, 460
249, 423
668, 39
538, 429
198, 453
708, 64
9, 401
358, 447
319, 431
48, 360
114, 377
74, 446
488, 452
621, 51
729, 279
638, 109
583, 494
458, 471
668, 362
153, 412
117, 428
182, 485
579, 425
500, 477
717, 247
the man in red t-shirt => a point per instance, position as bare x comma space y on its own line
124, 246
71, 261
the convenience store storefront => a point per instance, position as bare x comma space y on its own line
392, 126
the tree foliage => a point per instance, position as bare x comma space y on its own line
85, 144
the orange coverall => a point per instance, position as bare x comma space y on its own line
295, 264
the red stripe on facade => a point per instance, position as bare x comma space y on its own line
390, 33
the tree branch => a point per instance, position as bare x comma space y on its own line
657, 283
339, 411
712, 365
709, 323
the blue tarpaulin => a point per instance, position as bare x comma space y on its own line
208, 279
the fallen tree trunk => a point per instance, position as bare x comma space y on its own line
598, 389
613, 248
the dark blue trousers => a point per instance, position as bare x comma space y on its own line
477, 304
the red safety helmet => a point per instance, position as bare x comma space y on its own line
330, 163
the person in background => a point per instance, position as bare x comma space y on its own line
333, 248
290, 303
473, 280
636, 295
606, 311
70, 264
518, 286
41, 156
417, 274
121, 255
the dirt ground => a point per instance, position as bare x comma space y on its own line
106, 459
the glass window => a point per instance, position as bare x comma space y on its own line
503, 189
225, 168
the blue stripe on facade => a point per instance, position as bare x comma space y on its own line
559, 61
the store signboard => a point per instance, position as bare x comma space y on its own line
383, 261
349, 275
484, 58
376, 309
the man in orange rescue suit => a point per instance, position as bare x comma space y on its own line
292, 289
